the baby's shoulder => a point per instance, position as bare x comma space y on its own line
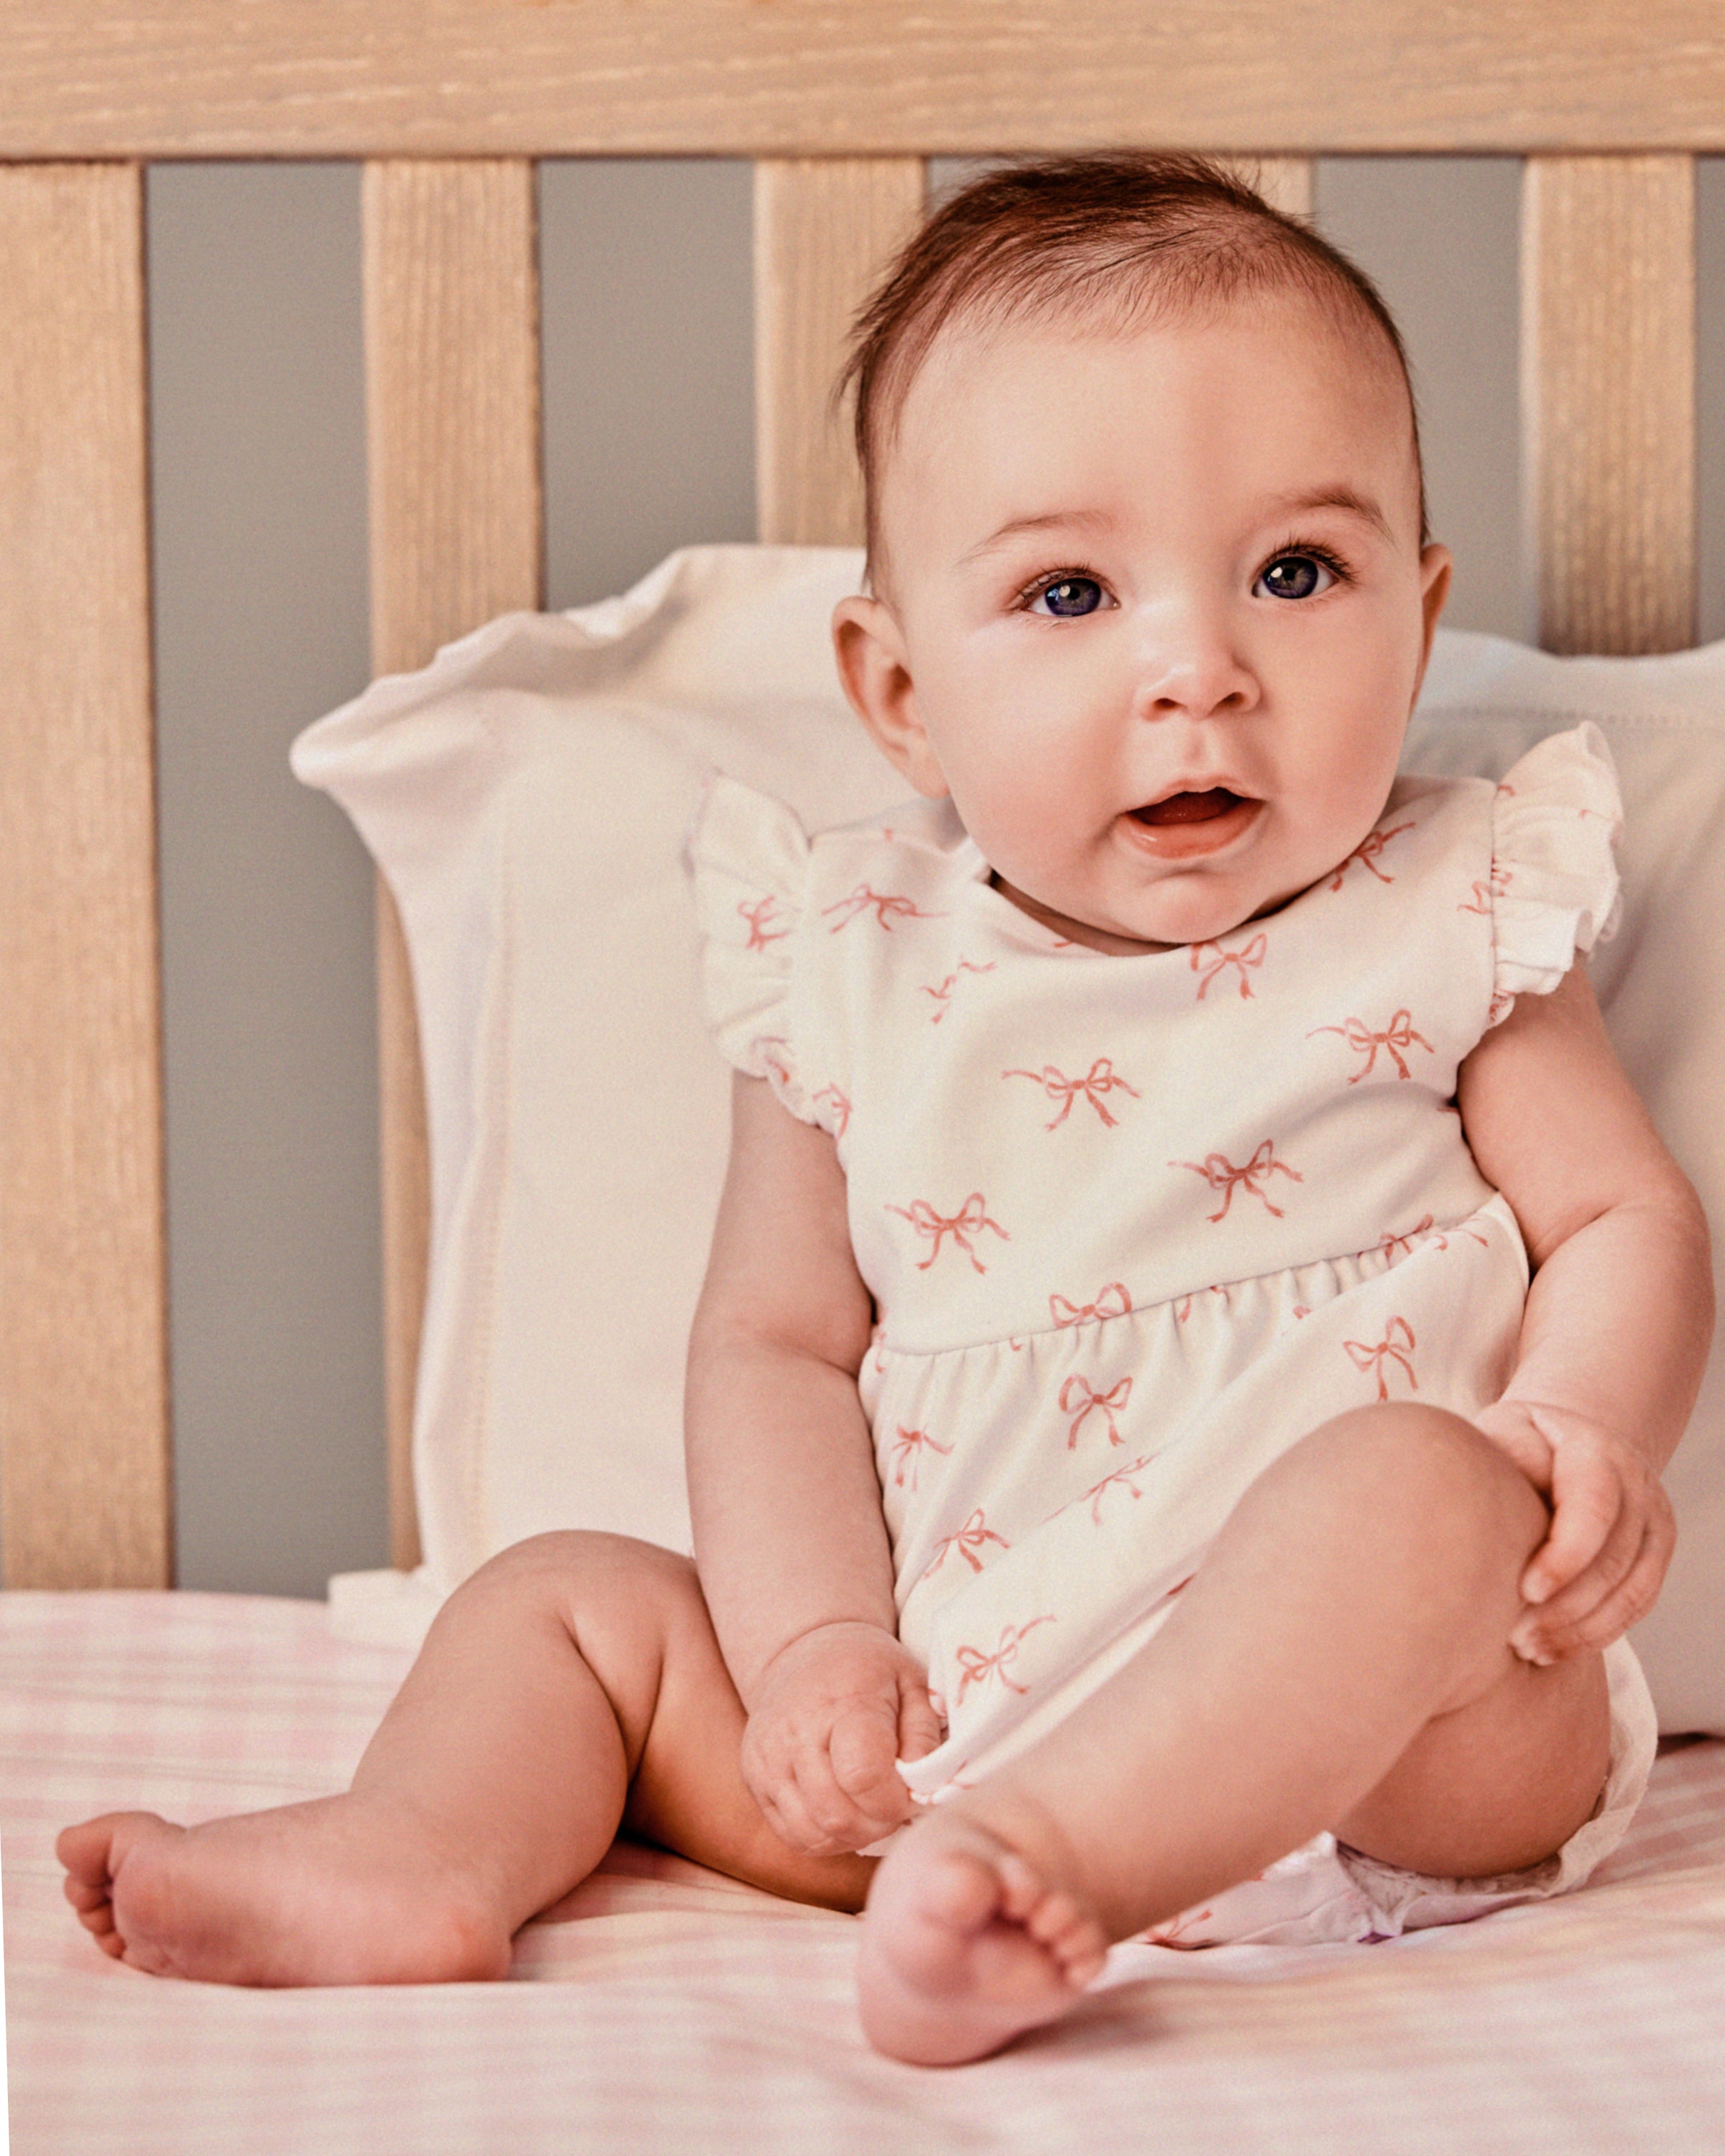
920, 840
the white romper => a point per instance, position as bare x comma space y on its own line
1135, 1225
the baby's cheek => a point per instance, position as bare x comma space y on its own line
1023, 833
1333, 824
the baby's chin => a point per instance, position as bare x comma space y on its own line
1205, 911
1182, 926
1179, 905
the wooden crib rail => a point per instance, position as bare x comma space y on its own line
449, 104
835, 78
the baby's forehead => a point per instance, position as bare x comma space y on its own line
1359, 362
1043, 354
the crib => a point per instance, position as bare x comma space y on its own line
684, 2011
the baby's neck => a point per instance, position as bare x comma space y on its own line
1104, 939
1074, 932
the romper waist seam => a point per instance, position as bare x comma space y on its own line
1101, 1317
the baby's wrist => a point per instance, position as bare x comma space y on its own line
829, 1632
1556, 1420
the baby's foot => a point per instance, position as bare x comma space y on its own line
965, 1946
314, 1893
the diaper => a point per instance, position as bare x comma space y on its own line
1326, 1893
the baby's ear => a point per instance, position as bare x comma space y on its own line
1435, 569
875, 671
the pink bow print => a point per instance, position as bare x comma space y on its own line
943, 992
841, 1106
970, 1219
979, 1667
907, 1450
1100, 1078
888, 908
1397, 1035
1251, 955
1112, 1302
1367, 852
1398, 1336
760, 915
1077, 1392
967, 1541
1221, 1174
1123, 1475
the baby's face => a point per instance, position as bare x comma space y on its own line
1158, 611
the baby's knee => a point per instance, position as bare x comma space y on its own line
1425, 1472
574, 1568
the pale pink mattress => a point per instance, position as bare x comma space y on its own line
664, 2008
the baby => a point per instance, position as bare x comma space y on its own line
1134, 1486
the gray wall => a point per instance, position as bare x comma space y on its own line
260, 602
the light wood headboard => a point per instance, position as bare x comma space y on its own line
449, 102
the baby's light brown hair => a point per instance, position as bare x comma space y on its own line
1110, 240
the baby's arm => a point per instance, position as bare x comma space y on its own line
1618, 1318
789, 1537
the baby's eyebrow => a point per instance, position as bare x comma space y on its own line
1333, 497
1082, 520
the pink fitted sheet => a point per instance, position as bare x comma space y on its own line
664, 2009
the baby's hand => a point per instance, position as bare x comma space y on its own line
1601, 1567
831, 1713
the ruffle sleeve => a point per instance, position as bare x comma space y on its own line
749, 863
1555, 822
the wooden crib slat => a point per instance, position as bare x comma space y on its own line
823, 229
404, 1166
1608, 400
84, 1461
457, 536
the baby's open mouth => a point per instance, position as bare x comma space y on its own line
1188, 807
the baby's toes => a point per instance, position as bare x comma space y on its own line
1070, 1934
99, 1921
1054, 1915
95, 1912
1083, 1956
84, 1894
1057, 1922
1022, 1891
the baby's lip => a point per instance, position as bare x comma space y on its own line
1196, 801
1195, 821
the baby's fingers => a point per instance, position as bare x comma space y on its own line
1609, 1597
920, 1728
1587, 1502
1548, 1628
811, 1813
770, 1774
864, 1744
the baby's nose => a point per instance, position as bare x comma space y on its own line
1187, 664
1200, 686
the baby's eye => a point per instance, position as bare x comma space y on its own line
1069, 597
1295, 577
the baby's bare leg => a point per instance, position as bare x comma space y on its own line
1340, 1661
572, 1683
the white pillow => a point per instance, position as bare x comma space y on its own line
527, 794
